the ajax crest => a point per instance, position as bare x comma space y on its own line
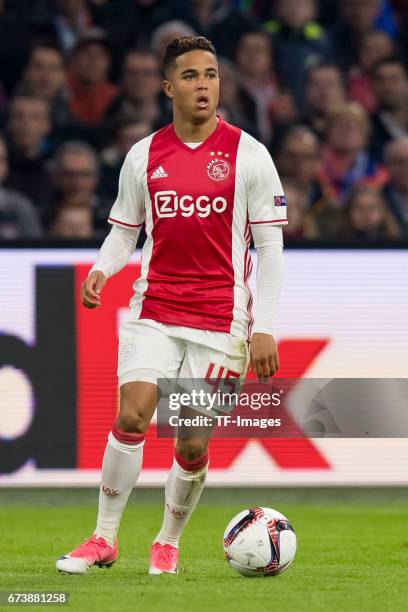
218, 169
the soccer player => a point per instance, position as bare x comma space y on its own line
202, 187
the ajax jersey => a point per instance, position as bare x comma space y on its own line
198, 205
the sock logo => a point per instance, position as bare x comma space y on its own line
109, 491
176, 513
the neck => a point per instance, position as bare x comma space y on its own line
189, 131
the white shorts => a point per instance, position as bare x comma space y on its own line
149, 350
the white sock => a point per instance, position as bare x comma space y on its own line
120, 471
183, 490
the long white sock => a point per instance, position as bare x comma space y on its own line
120, 470
183, 490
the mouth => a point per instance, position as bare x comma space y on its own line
203, 102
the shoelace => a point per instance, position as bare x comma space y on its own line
93, 540
167, 554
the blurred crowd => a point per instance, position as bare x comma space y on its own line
322, 83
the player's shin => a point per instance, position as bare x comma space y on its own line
120, 470
184, 486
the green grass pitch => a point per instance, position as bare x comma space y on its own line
352, 552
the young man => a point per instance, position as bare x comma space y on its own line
200, 185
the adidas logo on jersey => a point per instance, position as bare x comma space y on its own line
159, 173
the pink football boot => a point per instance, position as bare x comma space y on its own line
163, 559
94, 551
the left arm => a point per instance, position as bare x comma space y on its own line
267, 214
268, 241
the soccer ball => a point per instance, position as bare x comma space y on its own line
259, 542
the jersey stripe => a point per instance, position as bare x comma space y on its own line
271, 221
123, 223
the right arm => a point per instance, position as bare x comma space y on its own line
126, 217
113, 256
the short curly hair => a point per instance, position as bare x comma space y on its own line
182, 45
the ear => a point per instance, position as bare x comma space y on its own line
168, 88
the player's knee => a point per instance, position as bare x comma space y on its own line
191, 449
132, 421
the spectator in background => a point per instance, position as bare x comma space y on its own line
299, 160
130, 23
344, 154
356, 18
72, 221
218, 20
366, 216
75, 177
90, 91
391, 119
298, 40
126, 133
62, 20
165, 33
45, 76
234, 101
18, 216
325, 90
396, 191
28, 125
300, 222
253, 60
372, 48
140, 88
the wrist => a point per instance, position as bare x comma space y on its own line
98, 269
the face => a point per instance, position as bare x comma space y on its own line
131, 134
346, 135
299, 158
375, 46
325, 89
91, 63
397, 164
73, 223
360, 15
366, 212
3, 162
297, 13
45, 72
76, 175
141, 77
391, 85
254, 55
193, 85
28, 122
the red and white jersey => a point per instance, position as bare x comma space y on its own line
198, 205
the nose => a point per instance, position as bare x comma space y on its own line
201, 82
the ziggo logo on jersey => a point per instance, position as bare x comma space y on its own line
168, 204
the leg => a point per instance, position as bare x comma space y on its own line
120, 469
183, 490
188, 473
123, 455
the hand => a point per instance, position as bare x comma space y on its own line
91, 289
264, 358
